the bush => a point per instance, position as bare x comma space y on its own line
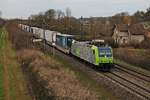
2, 22
50, 80
135, 44
138, 57
145, 44
19, 38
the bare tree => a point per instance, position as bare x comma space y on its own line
147, 14
91, 28
122, 14
50, 14
127, 20
59, 14
68, 12
67, 21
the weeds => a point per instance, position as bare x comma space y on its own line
138, 57
57, 82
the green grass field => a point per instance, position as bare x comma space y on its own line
1, 67
12, 81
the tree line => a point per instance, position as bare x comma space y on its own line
64, 22
56, 20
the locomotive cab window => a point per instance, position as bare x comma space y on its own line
105, 52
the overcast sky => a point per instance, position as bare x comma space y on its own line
86, 8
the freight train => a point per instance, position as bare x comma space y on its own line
93, 52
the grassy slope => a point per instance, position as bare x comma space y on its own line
12, 83
83, 78
59, 73
86, 80
137, 57
52, 76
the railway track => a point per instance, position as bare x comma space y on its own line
98, 76
130, 86
136, 82
133, 72
135, 90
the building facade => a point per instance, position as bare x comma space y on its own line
123, 35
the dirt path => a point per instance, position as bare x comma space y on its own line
6, 81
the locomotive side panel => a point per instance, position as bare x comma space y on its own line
83, 51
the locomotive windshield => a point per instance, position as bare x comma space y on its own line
105, 52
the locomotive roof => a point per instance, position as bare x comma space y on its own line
65, 35
86, 43
105, 48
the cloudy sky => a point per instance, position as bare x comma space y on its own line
86, 8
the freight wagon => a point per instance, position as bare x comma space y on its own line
50, 36
64, 42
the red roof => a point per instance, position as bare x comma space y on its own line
138, 29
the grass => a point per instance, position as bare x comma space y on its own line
48, 72
1, 66
137, 57
12, 80
66, 80
86, 81
19, 41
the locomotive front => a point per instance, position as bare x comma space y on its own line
105, 57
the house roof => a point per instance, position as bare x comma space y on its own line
122, 27
138, 29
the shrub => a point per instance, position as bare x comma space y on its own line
135, 44
51, 80
138, 57
145, 44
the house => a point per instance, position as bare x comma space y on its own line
125, 34
137, 33
141, 28
121, 34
